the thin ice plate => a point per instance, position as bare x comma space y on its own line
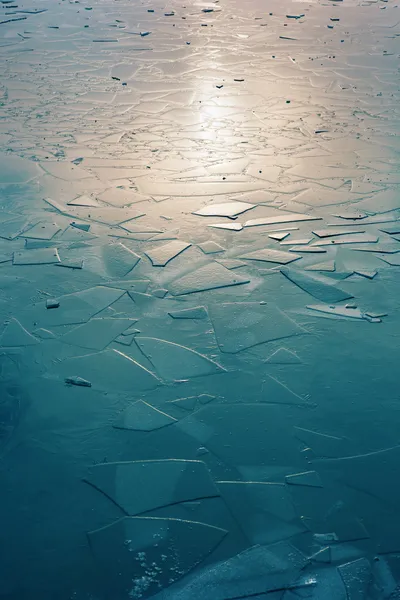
284, 218
40, 256
162, 255
274, 256
209, 277
229, 209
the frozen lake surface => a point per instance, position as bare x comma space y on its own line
199, 300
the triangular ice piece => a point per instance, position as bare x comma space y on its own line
282, 356
279, 236
319, 287
84, 201
15, 334
210, 277
141, 416
118, 259
162, 255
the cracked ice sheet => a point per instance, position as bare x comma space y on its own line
321, 107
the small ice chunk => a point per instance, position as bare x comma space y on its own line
79, 381
52, 303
